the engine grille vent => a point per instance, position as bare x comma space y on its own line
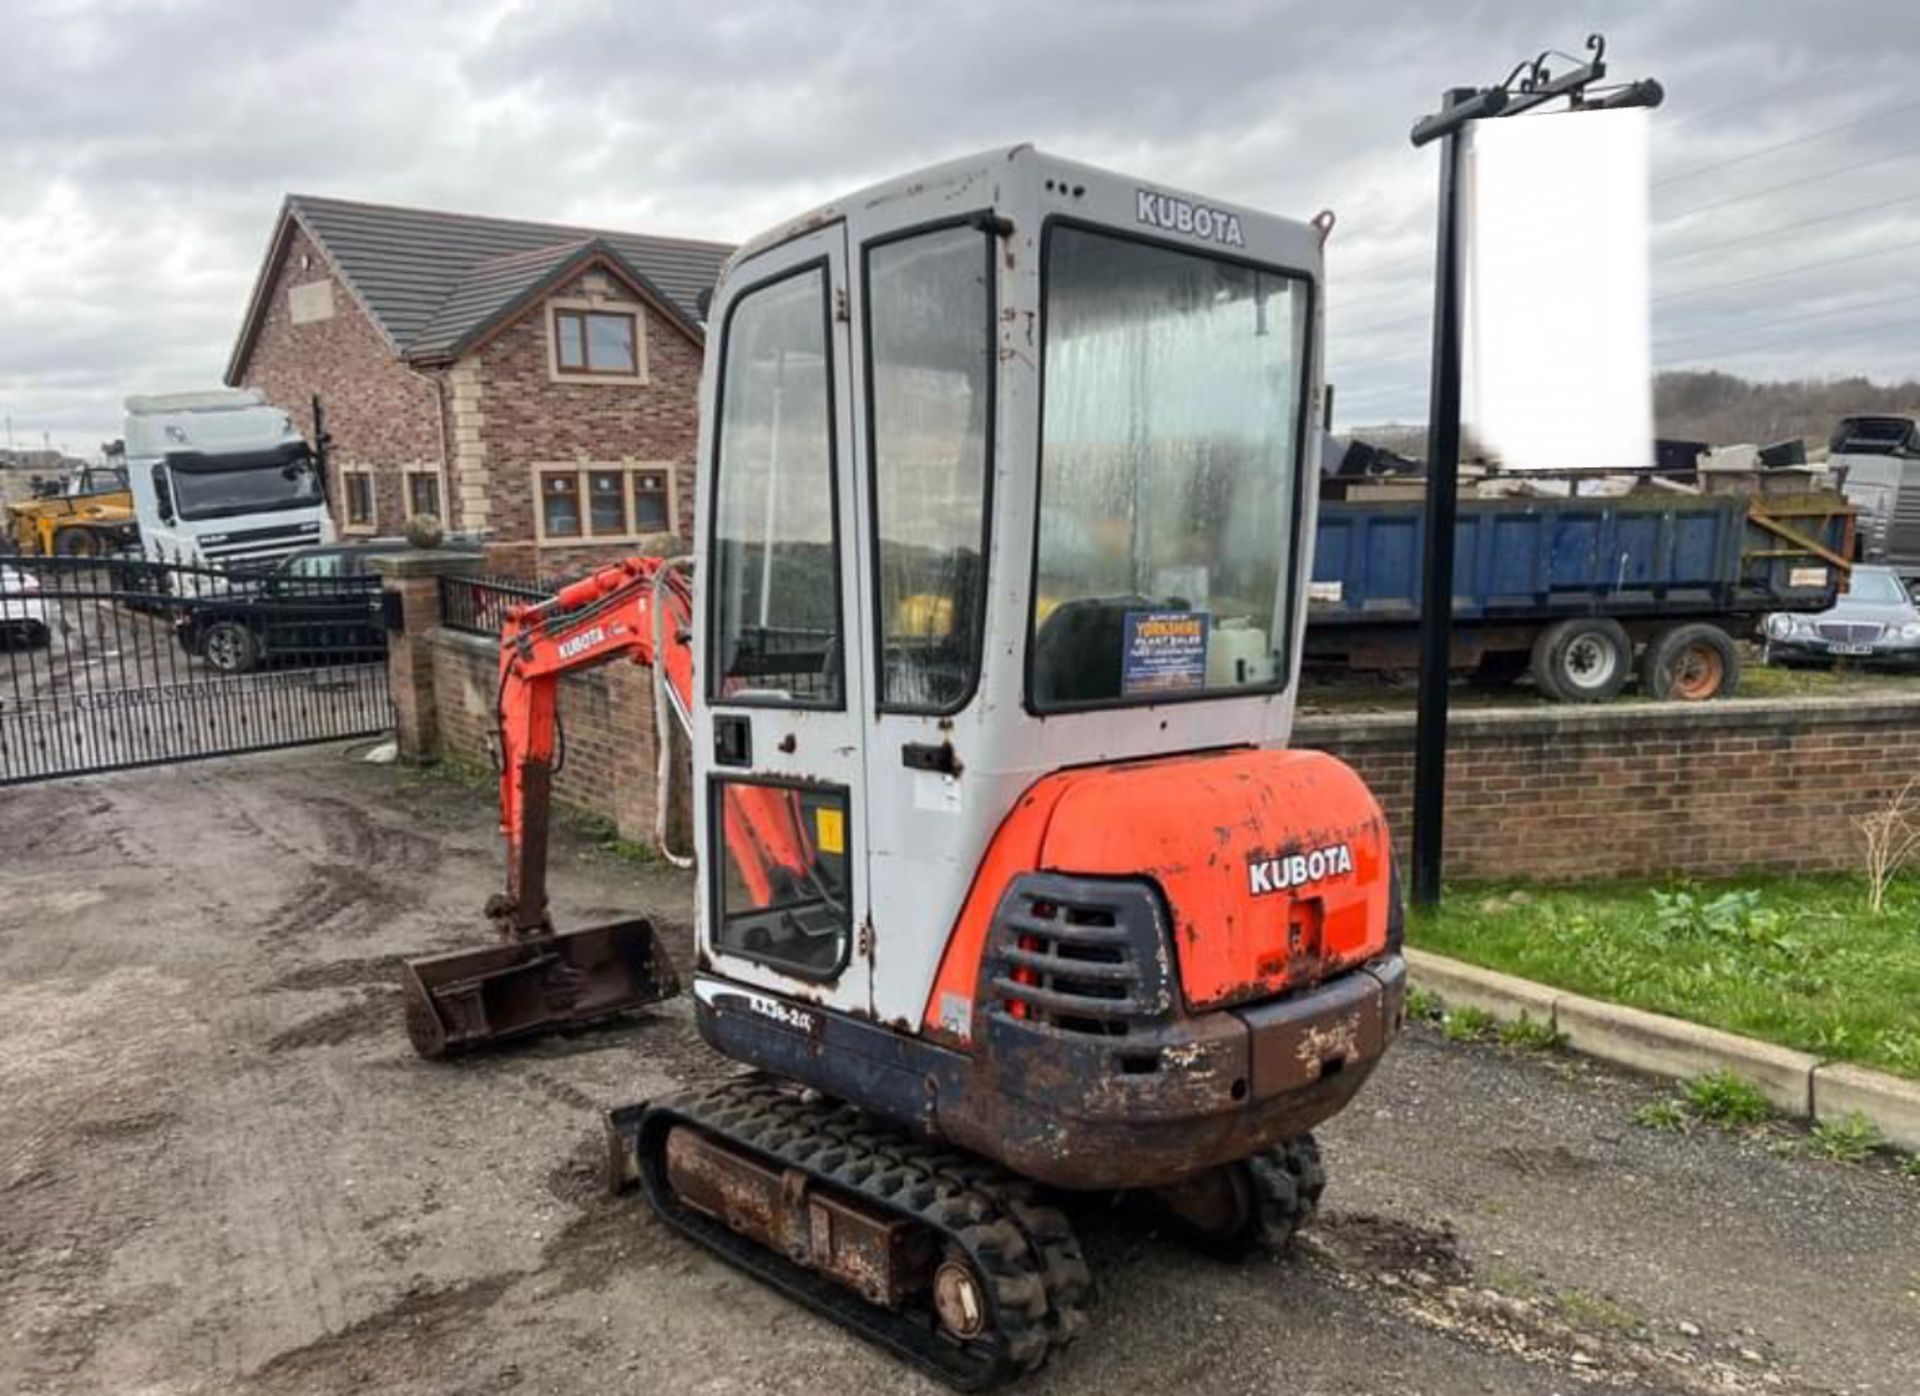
1078, 955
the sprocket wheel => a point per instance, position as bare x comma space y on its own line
1257, 1204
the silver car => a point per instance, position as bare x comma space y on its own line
1874, 622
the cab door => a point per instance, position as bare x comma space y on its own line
779, 803
926, 310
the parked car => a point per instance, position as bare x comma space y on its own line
319, 604
1874, 621
23, 615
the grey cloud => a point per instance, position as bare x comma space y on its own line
145, 149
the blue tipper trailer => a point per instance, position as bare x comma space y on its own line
1581, 593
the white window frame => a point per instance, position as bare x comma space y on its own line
347, 523
407, 477
596, 306
580, 470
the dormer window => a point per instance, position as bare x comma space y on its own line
597, 341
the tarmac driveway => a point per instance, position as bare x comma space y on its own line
222, 1168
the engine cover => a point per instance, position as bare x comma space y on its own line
1275, 864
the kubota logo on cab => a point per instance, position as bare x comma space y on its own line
1283, 874
1183, 216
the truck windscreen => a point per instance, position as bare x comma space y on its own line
1169, 465
258, 489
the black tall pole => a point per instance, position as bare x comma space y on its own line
1460, 105
1443, 474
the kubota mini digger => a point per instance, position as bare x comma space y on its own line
1006, 876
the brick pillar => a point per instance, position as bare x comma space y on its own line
414, 577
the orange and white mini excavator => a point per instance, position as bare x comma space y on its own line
1007, 878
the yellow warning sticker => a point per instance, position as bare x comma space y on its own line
830, 830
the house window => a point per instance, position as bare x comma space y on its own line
423, 494
597, 341
607, 503
358, 485
652, 509
604, 502
560, 503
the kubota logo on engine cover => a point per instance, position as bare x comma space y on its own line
1292, 870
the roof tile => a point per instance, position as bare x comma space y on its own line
430, 279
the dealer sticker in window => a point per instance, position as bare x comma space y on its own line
1166, 652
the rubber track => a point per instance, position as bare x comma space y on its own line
1287, 1182
1025, 1253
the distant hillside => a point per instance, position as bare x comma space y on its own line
1723, 410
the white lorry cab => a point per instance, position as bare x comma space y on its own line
222, 478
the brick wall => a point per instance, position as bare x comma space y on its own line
1540, 794
528, 420
606, 715
380, 416
1705, 789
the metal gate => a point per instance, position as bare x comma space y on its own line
107, 663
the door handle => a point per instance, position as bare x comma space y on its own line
927, 756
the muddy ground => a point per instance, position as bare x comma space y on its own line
222, 1169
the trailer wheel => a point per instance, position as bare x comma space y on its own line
75, 542
1586, 659
1691, 663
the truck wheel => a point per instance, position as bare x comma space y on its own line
75, 542
1691, 663
230, 647
1586, 659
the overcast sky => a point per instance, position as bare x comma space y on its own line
145, 148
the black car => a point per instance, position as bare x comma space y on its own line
1874, 622
316, 605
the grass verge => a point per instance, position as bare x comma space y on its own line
1796, 961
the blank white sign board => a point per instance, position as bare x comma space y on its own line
1555, 223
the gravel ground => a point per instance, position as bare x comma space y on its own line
222, 1169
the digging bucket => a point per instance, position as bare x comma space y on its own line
474, 998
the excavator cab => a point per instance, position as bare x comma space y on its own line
1005, 474
1006, 873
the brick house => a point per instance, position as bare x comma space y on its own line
533, 383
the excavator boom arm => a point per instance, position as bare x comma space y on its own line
535, 980
640, 610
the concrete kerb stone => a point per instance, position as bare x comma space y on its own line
1627, 1037
1671, 1047
1893, 1104
1795, 1083
1468, 986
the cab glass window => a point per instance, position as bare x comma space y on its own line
929, 341
1169, 463
783, 896
776, 595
